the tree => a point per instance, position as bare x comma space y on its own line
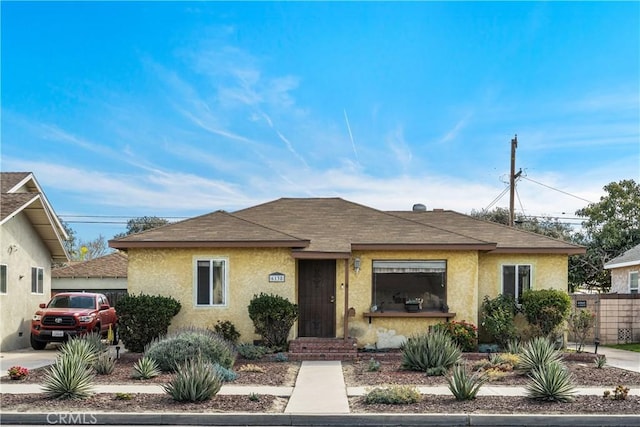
612, 226
140, 224
546, 225
83, 250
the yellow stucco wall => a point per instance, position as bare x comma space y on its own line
170, 272
470, 276
462, 296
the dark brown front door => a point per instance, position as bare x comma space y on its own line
316, 298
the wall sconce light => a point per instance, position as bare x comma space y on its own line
21, 277
356, 265
11, 249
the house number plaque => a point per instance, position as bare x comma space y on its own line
276, 277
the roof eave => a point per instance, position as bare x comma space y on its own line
567, 251
298, 254
424, 246
622, 264
116, 244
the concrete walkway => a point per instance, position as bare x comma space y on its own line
319, 389
623, 359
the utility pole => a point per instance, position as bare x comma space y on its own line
512, 181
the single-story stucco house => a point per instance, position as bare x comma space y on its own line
350, 268
624, 271
105, 275
31, 239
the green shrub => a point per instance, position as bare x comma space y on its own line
145, 368
463, 386
464, 334
373, 366
393, 395
142, 318
273, 316
70, 377
123, 396
254, 397
281, 357
228, 330
185, 344
537, 353
498, 318
250, 351
104, 364
432, 352
195, 381
546, 308
551, 382
225, 374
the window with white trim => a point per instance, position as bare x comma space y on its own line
3, 278
37, 280
396, 282
516, 279
210, 285
633, 282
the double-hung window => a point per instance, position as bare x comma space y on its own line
37, 280
633, 282
211, 282
516, 279
3, 278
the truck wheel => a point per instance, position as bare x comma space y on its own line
37, 345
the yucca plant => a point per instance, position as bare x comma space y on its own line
538, 352
84, 349
431, 352
600, 361
104, 364
465, 386
95, 341
70, 377
514, 346
551, 382
145, 368
195, 381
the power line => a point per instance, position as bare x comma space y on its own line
555, 189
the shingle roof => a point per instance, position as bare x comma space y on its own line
628, 258
334, 225
8, 180
10, 203
215, 229
507, 238
113, 265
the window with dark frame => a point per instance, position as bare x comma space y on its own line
397, 282
210, 282
3, 278
633, 282
516, 279
37, 280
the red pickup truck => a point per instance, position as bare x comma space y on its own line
72, 314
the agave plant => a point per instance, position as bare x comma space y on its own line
104, 364
537, 353
83, 349
145, 368
465, 386
195, 380
431, 352
552, 382
70, 377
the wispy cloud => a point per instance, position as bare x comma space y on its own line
399, 147
453, 133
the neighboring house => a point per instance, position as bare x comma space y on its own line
105, 275
350, 268
31, 239
624, 272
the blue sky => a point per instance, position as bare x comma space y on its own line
176, 109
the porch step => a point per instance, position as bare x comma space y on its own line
323, 349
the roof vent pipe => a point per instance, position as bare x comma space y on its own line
419, 207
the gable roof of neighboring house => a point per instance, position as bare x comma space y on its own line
322, 227
109, 266
627, 259
21, 193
